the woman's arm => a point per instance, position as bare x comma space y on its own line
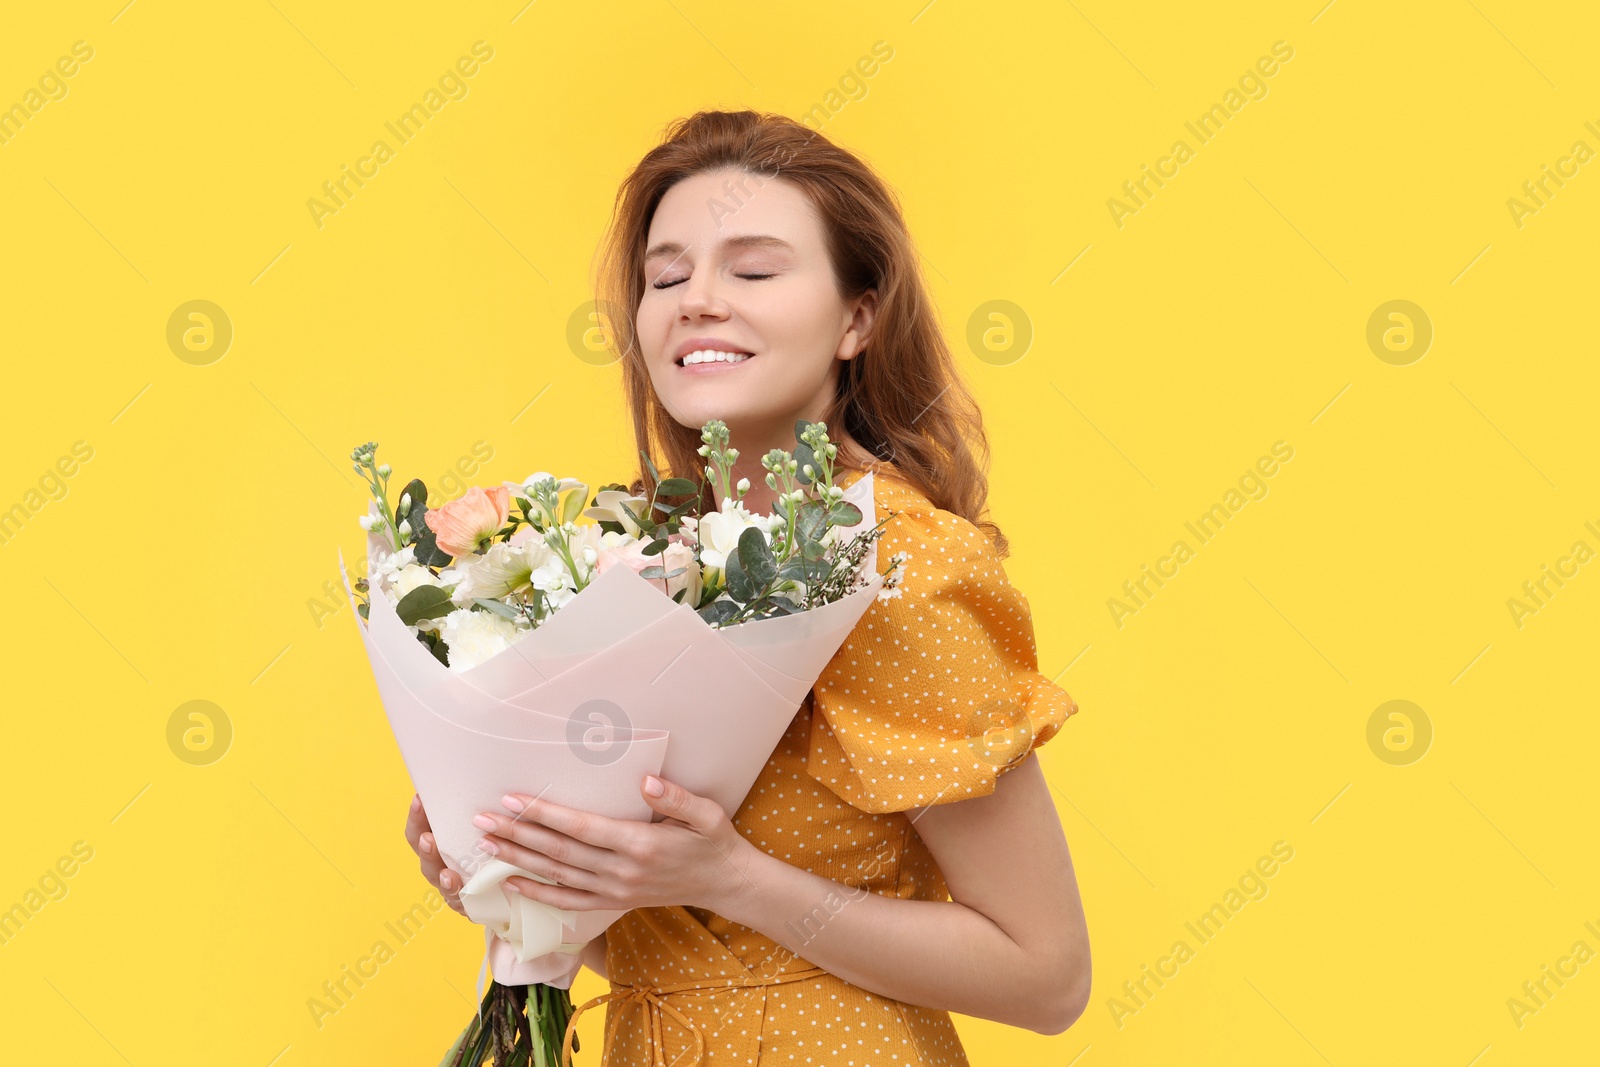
1012, 945
594, 956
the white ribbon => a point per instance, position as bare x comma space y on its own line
530, 928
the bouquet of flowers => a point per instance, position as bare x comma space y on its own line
519, 650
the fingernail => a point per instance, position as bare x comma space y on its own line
488, 846
512, 803
483, 822
416, 801
653, 786
427, 843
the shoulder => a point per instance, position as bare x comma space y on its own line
952, 578
941, 539
936, 691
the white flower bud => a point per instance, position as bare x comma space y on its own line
744, 485
405, 501
405, 529
590, 555
366, 522
384, 469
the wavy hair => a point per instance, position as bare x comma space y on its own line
901, 399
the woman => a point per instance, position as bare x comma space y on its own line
762, 275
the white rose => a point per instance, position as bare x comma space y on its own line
410, 577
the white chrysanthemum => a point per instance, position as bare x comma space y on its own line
474, 636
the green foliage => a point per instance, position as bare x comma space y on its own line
424, 602
423, 542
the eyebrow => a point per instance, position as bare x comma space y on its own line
747, 240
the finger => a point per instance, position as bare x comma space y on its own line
538, 863
416, 823
432, 861
559, 896
591, 829
557, 846
676, 802
450, 885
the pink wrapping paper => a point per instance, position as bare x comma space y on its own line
620, 683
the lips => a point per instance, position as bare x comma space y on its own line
690, 345
713, 358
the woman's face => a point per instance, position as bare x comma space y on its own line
738, 262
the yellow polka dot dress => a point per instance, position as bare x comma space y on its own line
934, 695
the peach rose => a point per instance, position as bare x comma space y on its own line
465, 526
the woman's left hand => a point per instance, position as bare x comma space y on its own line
695, 857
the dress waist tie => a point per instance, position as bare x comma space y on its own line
653, 998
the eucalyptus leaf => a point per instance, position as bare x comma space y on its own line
844, 513
424, 543
655, 548
643, 523
431, 642
498, 607
739, 584
812, 522
718, 612
677, 487
798, 569
755, 558
655, 475
424, 602
802, 456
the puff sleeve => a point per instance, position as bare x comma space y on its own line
936, 692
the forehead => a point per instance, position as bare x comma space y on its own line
736, 209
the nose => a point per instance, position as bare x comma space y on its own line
701, 297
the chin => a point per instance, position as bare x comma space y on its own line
696, 403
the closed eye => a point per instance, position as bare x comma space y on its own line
669, 285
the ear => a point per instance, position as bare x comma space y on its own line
863, 311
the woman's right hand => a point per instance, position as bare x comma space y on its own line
419, 835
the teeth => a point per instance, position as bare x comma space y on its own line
711, 356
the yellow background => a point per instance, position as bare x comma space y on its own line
1230, 312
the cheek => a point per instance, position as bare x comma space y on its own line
787, 316
648, 323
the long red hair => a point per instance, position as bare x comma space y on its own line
901, 399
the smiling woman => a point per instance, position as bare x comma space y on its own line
817, 924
